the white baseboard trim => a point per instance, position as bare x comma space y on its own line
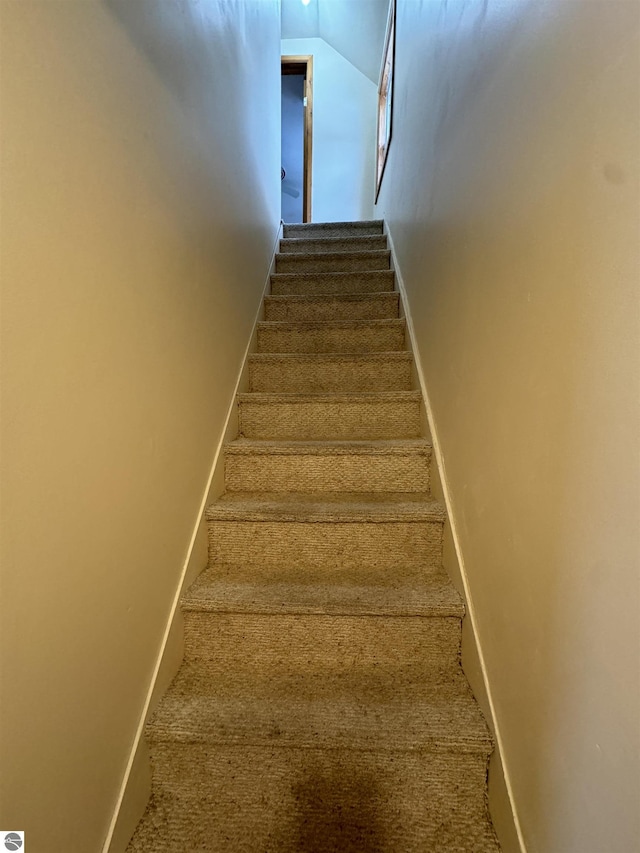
206, 498
439, 460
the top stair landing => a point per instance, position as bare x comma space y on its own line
314, 230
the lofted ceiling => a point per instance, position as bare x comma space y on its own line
355, 28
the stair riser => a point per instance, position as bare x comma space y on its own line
326, 645
326, 309
248, 799
336, 339
343, 262
334, 244
343, 420
328, 545
339, 229
377, 281
327, 473
317, 376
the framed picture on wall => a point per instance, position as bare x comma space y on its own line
385, 96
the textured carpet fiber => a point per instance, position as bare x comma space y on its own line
321, 706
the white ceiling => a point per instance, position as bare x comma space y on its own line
355, 28
298, 21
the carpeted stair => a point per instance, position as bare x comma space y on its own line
321, 705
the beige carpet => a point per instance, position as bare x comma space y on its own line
321, 705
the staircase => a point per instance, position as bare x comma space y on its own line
321, 705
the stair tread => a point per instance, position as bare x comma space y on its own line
163, 829
306, 590
363, 708
357, 239
391, 355
331, 397
286, 325
304, 298
347, 254
286, 447
347, 507
337, 282
336, 275
347, 224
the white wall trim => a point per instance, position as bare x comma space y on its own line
185, 567
439, 459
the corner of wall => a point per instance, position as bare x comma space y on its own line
136, 783
501, 801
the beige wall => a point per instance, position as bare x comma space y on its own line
511, 194
140, 203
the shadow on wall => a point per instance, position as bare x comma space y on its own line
166, 42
